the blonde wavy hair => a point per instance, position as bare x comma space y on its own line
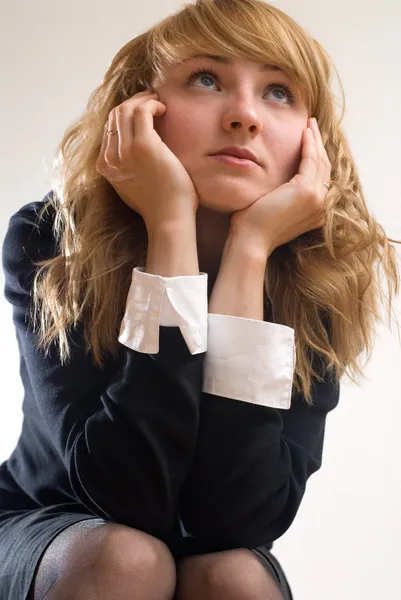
324, 284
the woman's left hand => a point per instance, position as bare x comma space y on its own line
293, 208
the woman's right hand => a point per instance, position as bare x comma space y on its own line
142, 169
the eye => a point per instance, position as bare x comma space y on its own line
201, 73
197, 75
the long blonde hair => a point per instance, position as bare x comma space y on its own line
324, 284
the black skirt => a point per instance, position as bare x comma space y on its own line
26, 534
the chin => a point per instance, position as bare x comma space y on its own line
226, 196
226, 203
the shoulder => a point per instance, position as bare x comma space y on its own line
28, 226
28, 239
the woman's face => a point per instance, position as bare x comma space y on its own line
242, 106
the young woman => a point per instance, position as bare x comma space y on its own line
184, 317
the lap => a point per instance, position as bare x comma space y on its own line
40, 539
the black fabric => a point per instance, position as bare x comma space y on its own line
139, 443
26, 535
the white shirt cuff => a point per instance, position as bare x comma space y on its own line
154, 300
249, 360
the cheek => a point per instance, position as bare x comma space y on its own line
286, 147
294, 156
180, 129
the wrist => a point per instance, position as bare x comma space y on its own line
249, 244
239, 287
170, 227
172, 249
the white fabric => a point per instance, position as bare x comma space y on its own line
246, 359
249, 360
154, 300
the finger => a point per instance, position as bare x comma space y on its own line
125, 122
111, 150
308, 168
325, 166
144, 118
148, 92
104, 143
321, 167
100, 161
317, 136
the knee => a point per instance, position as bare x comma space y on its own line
123, 549
122, 562
234, 574
138, 559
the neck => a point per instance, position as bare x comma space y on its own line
211, 232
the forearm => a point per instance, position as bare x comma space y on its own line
238, 290
172, 250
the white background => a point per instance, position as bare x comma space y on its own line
344, 542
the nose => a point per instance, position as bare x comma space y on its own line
242, 116
240, 125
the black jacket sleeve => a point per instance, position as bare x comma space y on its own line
127, 436
251, 467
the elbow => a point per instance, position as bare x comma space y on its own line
250, 527
132, 504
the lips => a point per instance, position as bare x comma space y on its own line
238, 152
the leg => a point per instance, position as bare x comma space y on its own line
230, 575
105, 561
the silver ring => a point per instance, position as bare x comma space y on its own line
326, 184
111, 131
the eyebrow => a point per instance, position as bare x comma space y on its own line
229, 61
